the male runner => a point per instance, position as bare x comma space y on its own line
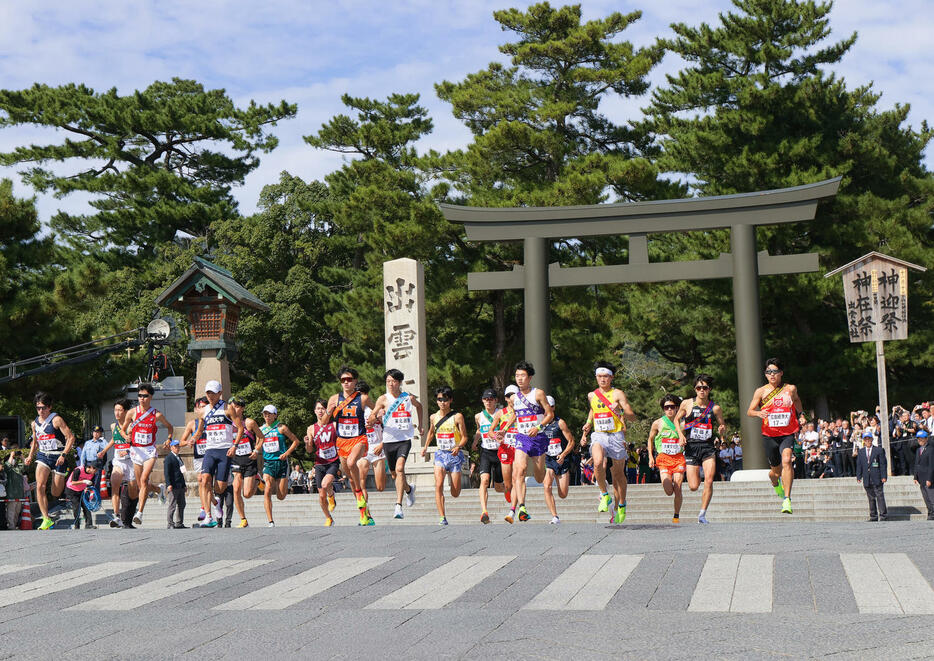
375, 456
140, 427
194, 437
778, 405
245, 466
533, 413
560, 445
609, 411
121, 465
696, 417
394, 410
321, 439
450, 431
666, 450
275, 457
222, 429
489, 464
348, 410
51, 441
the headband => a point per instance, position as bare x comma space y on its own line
603, 371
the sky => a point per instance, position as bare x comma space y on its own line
310, 53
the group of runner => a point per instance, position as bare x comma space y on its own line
353, 434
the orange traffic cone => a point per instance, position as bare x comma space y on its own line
105, 492
25, 521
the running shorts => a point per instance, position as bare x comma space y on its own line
449, 462
140, 454
216, 463
551, 463
395, 450
695, 453
775, 446
124, 465
275, 468
325, 469
613, 443
533, 446
489, 464
244, 465
670, 463
506, 453
50, 460
346, 445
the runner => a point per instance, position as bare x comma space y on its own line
275, 457
194, 437
666, 449
348, 408
778, 405
395, 409
140, 427
560, 445
504, 430
375, 456
51, 441
121, 465
489, 465
321, 439
696, 415
245, 466
448, 428
609, 411
222, 430
533, 413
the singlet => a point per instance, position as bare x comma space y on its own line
374, 434
121, 444
274, 442
603, 419
529, 413
487, 442
201, 442
247, 443
509, 438
666, 439
698, 426
218, 428
556, 440
447, 434
50, 439
782, 419
350, 420
143, 428
398, 427
325, 440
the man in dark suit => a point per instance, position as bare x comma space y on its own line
924, 472
872, 471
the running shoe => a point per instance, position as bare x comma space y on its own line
210, 524
202, 514
410, 496
243, 523
115, 522
555, 520
510, 516
605, 501
620, 514
786, 506
523, 513
485, 517
328, 522
138, 518
397, 512
702, 518
331, 502
271, 524
443, 521
369, 521
219, 510
162, 492
675, 519
780, 490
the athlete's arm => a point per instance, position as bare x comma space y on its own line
377, 411
476, 436
681, 437
333, 401
125, 429
799, 407
33, 444
549, 411
288, 433
569, 437
682, 411
62, 426
417, 405
188, 434
628, 413
430, 437
462, 428
721, 429
651, 443
365, 402
753, 410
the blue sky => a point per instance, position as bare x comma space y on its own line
310, 53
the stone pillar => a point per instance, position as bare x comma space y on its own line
212, 368
537, 312
406, 339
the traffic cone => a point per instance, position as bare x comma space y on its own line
25, 521
105, 492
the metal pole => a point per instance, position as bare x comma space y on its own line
537, 311
748, 337
883, 402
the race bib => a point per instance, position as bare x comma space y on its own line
779, 419
47, 442
487, 442
271, 444
699, 433
509, 440
603, 421
327, 453
525, 422
122, 445
348, 427
244, 448
401, 420
201, 446
216, 433
373, 437
143, 438
554, 447
671, 447
446, 441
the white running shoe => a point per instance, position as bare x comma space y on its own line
410, 496
138, 518
555, 520
219, 510
397, 514
202, 515
272, 524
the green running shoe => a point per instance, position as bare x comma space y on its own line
523, 513
620, 514
46, 524
786, 506
604, 505
780, 490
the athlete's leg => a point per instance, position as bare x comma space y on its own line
238, 494
205, 480
564, 482
249, 486
439, 489
710, 467
283, 488
116, 480
538, 468
693, 476
379, 474
788, 471
507, 478
599, 467
618, 470
353, 472
142, 480
677, 478
42, 481
58, 484
270, 483
519, 465
455, 479
549, 496
363, 469
666, 483
484, 485
323, 494
402, 486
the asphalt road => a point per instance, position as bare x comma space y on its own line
734, 591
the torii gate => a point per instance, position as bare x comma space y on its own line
537, 226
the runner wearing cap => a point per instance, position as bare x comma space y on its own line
608, 413
489, 464
121, 464
223, 430
696, 416
666, 450
503, 429
194, 437
245, 464
321, 440
557, 466
347, 409
140, 427
394, 410
51, 441
275, 457
777, 404
450, 432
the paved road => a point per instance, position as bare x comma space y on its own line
576, 591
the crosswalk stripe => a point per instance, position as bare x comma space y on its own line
147, 593
588, 584
714, 589
870, 588
913, 592
733, 582
443, 585
67, 580
12, 569
752, 592
290, 591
